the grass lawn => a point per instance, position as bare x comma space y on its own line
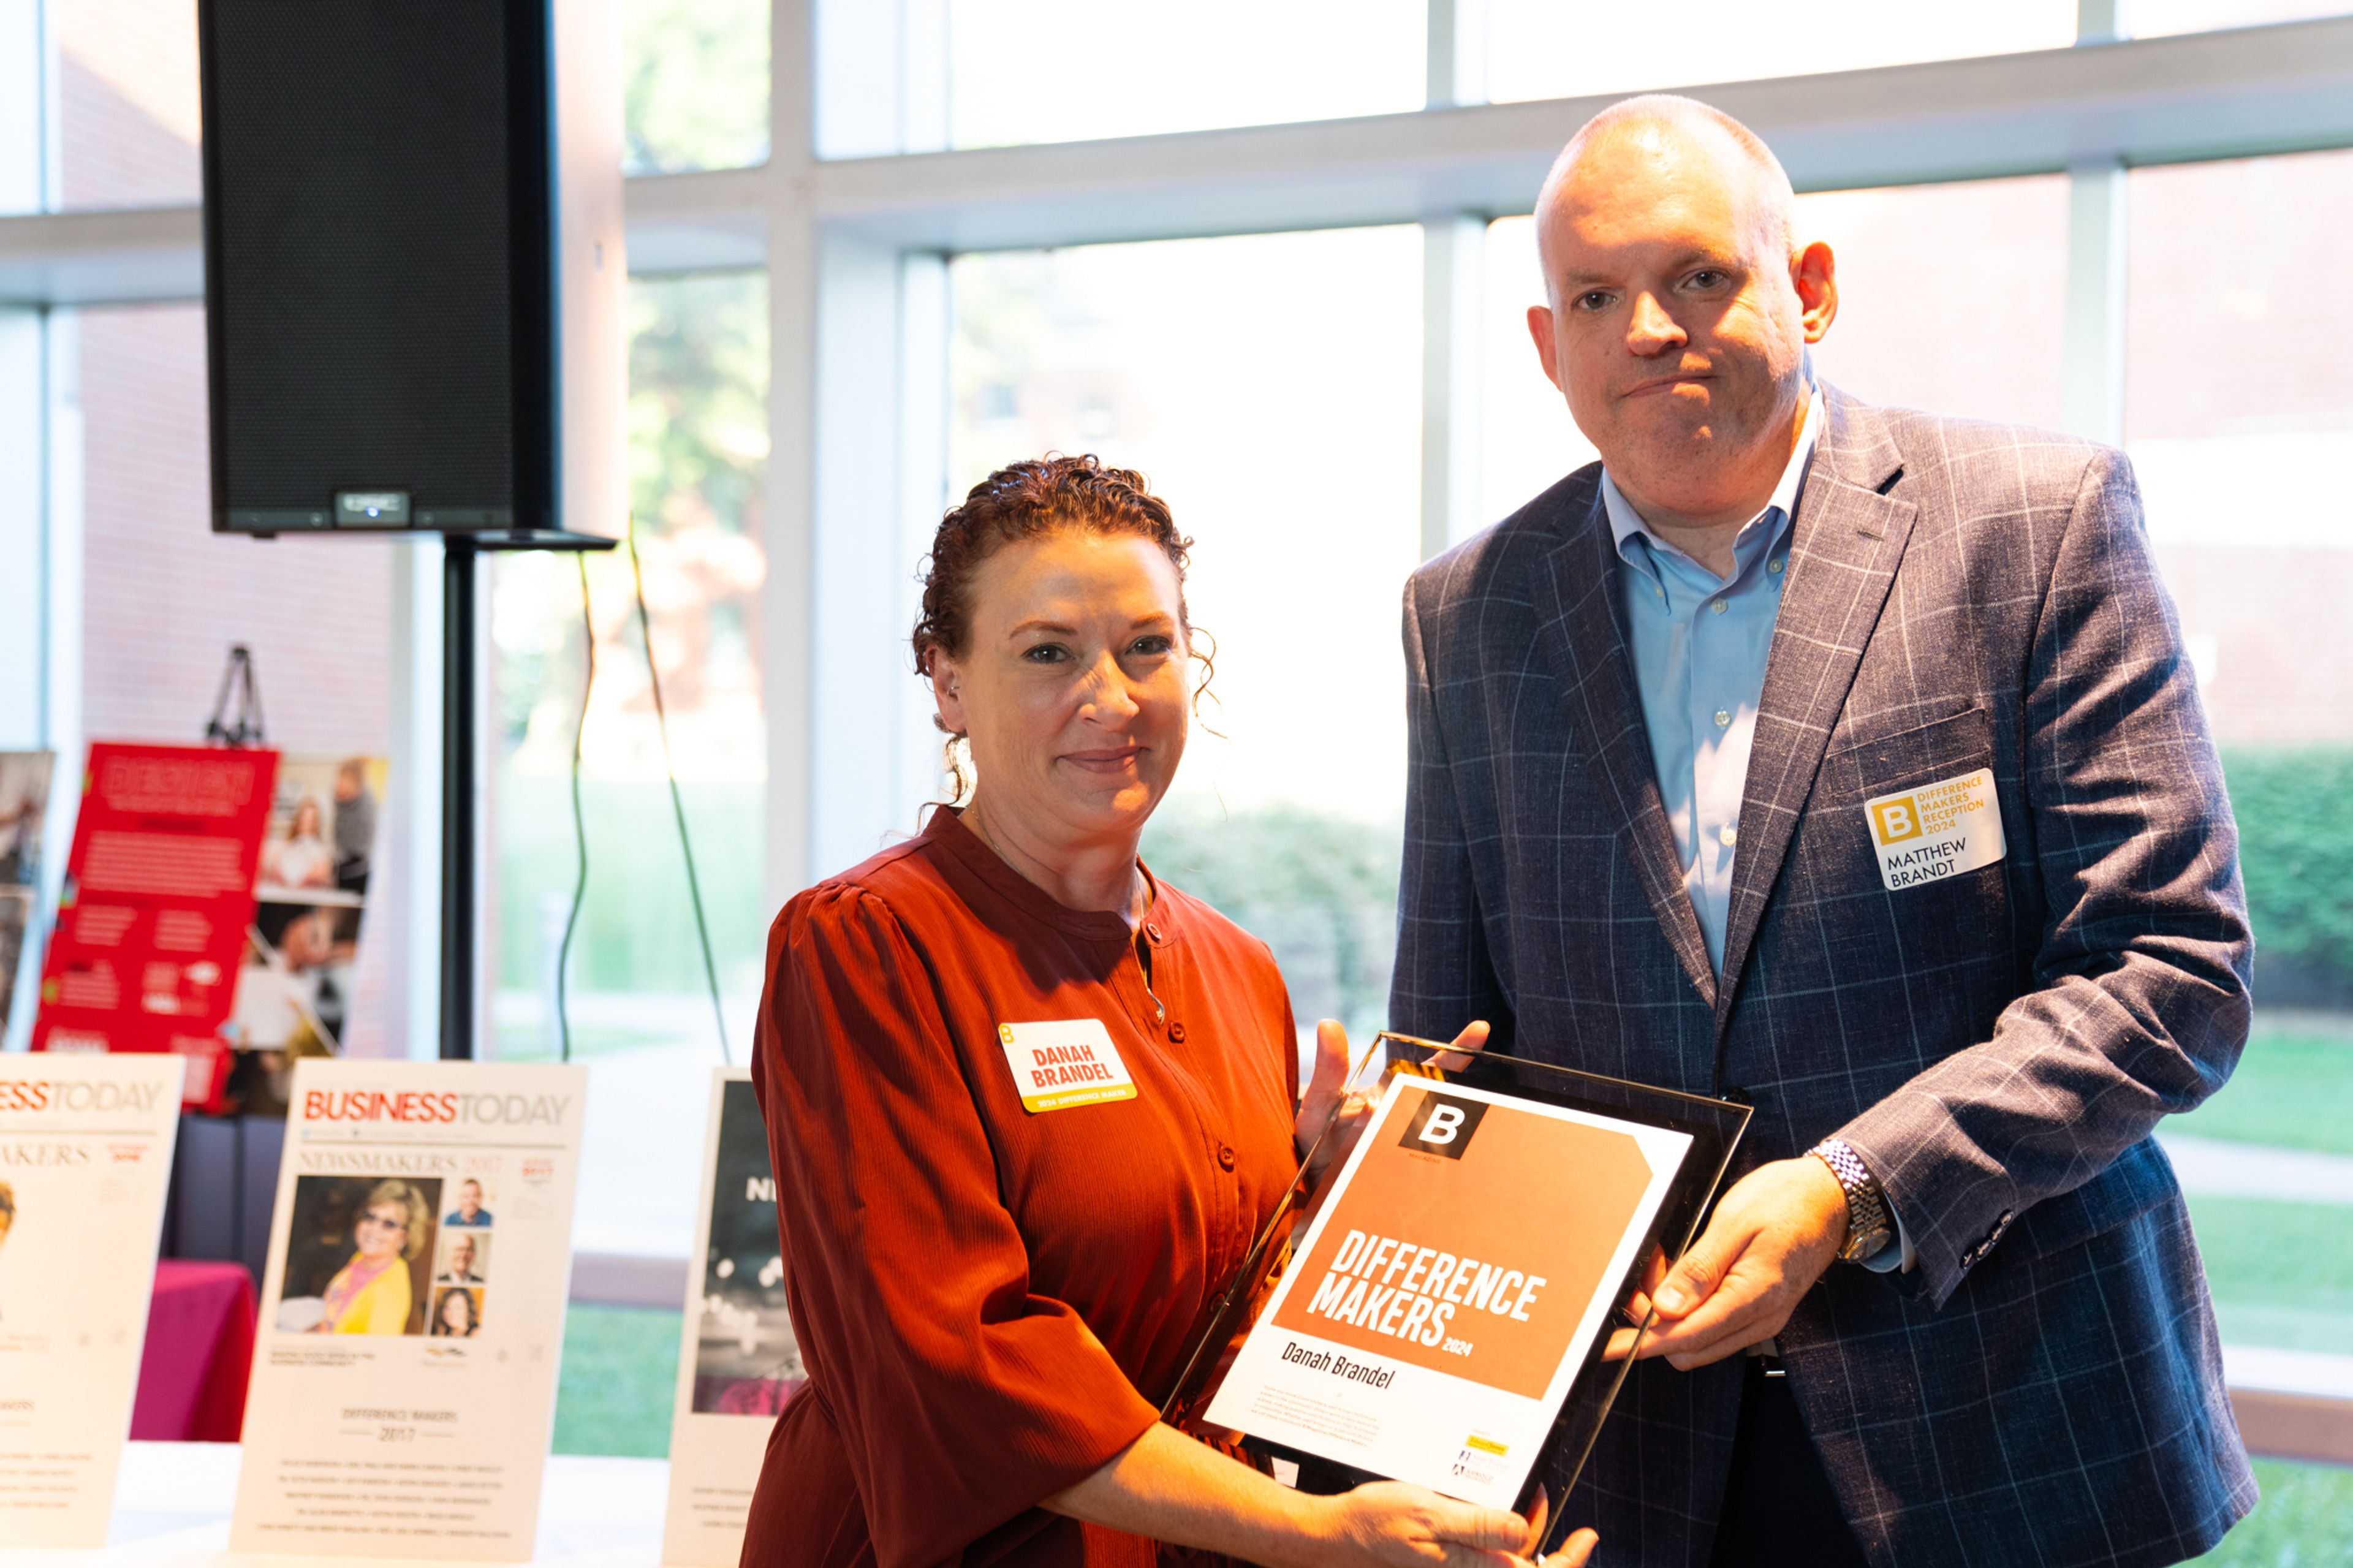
637, 929
2305, 1521
2292, 1090
590, 1038
619, 1375
2281, 1273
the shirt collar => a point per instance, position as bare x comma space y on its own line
945, 831
1626, 523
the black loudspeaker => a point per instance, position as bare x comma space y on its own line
414, 274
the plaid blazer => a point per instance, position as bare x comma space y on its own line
2046, 1386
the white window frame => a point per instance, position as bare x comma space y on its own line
855, 250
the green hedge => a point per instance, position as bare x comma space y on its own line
637, 928
1318, 888
2294, 807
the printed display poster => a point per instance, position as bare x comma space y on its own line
1451, 1286
412, 1315
24, 814
300, 957
85, 1155
738, 1362
157, 898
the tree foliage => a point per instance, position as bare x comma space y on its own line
696, 94
2294, 807
1318, 888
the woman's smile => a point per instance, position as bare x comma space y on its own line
1108, 760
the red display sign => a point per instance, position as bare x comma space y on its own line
158, 895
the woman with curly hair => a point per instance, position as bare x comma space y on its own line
1028, 1106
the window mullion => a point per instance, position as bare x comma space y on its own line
2094, 342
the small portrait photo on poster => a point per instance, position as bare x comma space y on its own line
747, 1361
469, 1204
465, 1257
356, 1255
457, 1311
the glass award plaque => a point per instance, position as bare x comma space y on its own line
1439, 1306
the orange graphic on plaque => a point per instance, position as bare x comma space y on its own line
1419, 1262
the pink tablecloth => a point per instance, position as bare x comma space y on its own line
199, 1350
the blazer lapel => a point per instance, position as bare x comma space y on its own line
1847, 539
1587, 644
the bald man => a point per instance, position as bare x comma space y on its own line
1844, 761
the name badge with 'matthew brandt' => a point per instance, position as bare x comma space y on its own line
1936, 831
1064, 1062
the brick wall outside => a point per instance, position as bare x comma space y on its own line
164, 595
116, 154
2275, 629
2233, 351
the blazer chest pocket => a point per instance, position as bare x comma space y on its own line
1915, 816
1860, 769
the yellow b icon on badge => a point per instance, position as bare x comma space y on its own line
1895, 820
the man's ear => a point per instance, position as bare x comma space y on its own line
947, 692
1548, 351
1814, 271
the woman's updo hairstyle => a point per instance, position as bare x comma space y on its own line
1028, 500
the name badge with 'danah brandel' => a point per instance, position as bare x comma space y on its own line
1936, 831
1065, 1063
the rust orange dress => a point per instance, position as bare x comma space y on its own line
990, 1302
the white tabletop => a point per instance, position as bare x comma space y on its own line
172, 1506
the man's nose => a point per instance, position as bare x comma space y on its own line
1651, 330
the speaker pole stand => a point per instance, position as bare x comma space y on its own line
460, 763
459, 867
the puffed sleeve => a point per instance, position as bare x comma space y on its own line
962, 1397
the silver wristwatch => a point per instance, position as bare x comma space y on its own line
1869, 1226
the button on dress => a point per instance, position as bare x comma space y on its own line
991, 1302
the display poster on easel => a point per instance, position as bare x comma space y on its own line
85, 1155
157, 898
412, 1315
739, 1362
299, 974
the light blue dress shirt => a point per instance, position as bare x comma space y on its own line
1700, 644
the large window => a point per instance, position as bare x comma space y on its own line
1540, 48
2154, 18
697, 84
1972, 328
637, 996
128, 112
1323, 408
1056, 70
129, 108
1270, 387
2237, 428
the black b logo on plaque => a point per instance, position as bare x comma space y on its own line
1442, 1126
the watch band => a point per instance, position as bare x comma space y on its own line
1869, 1225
